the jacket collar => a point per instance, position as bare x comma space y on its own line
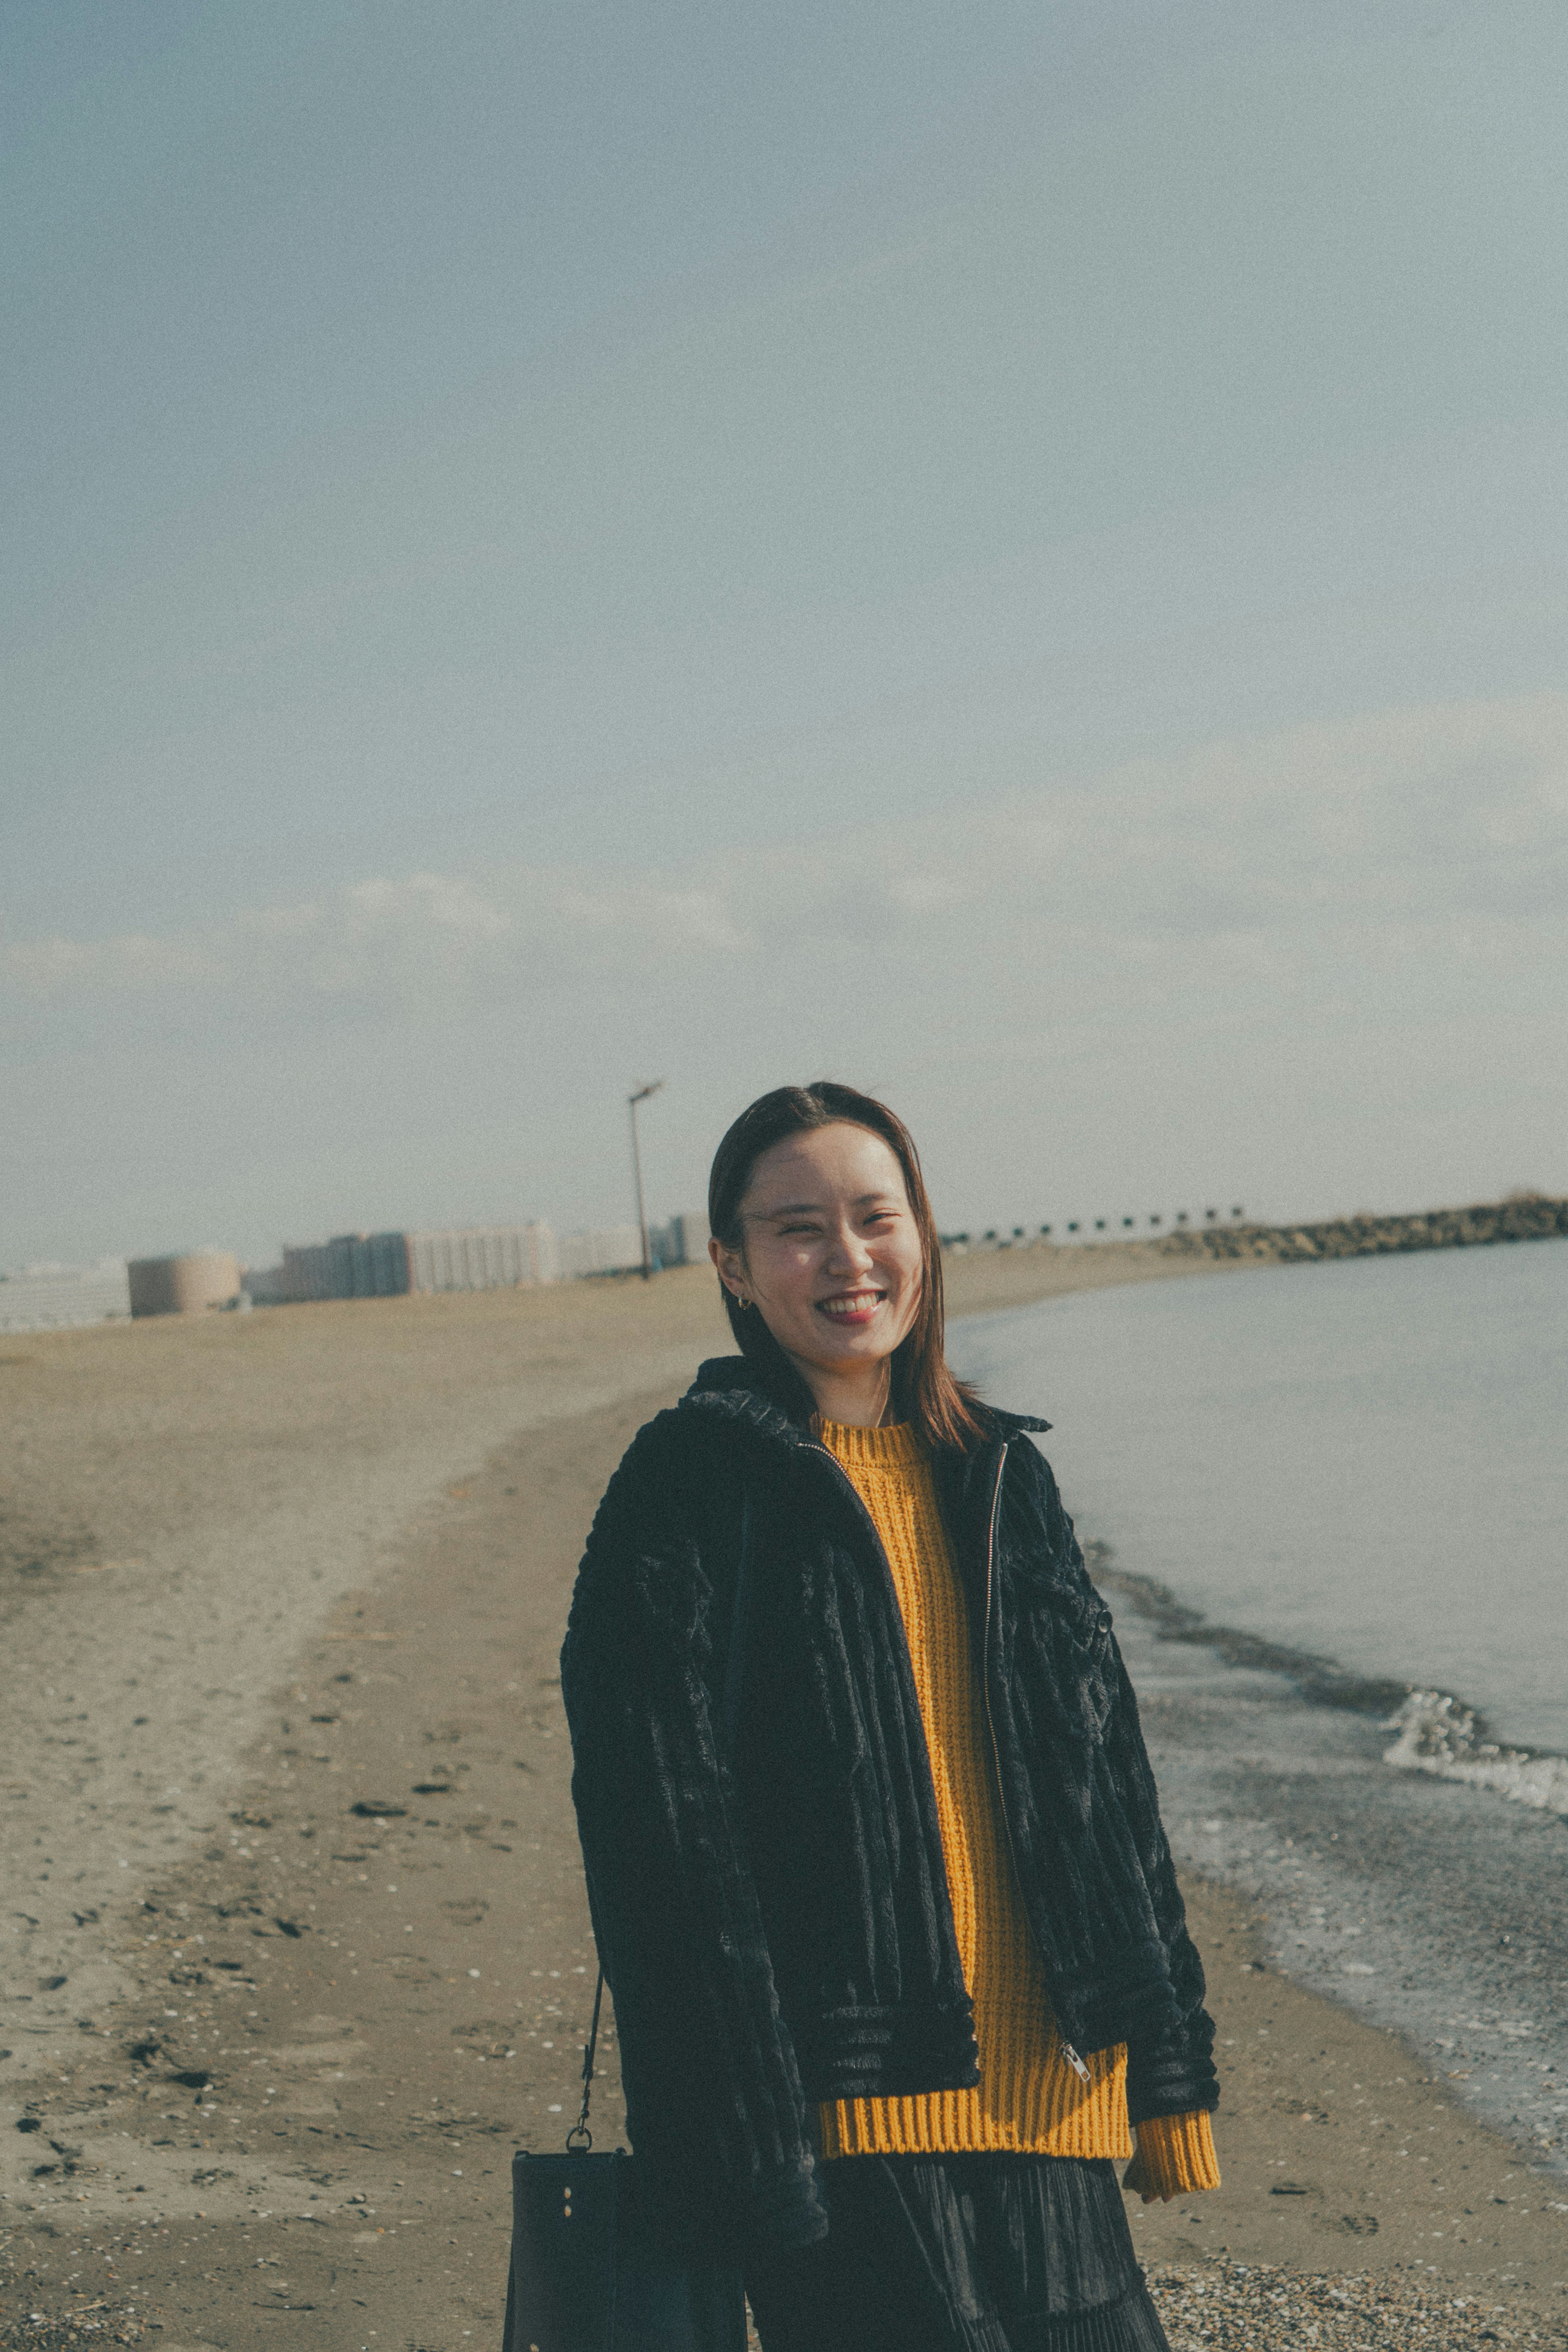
738, 1389
734, 1388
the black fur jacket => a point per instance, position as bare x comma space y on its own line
758, 1823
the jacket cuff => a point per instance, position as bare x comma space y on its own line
785, 2209
1172, 2073
1175, 2154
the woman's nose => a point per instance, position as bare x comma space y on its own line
850, 1252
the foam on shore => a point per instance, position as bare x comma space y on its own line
1440, 1735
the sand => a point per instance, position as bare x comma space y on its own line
296, 1951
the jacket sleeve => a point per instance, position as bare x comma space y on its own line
1170, 2071
714, 2103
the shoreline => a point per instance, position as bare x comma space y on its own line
1428, 1910
1438, 1732
267, 2061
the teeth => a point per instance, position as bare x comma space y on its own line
851, 1306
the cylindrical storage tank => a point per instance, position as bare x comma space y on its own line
185, 1284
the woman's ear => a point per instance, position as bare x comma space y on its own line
731, 1268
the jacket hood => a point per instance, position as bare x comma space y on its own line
741, 1388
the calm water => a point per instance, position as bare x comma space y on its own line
1364, 1458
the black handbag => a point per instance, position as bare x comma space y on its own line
586, 2275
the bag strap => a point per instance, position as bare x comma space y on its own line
580, 2126
730, 1718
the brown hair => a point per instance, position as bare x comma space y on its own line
943, 1408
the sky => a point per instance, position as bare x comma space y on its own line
1012, 555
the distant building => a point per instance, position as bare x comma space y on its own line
474, 1258
485, 1258
189, 1283
682, 1242
604, 1249
694, 1236
390, 1266
351, 1265
64, 1298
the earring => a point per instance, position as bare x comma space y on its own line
742, 1301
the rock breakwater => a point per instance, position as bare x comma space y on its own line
1526, 1217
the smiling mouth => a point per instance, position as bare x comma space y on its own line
851, 1306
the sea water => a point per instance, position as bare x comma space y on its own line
1366, 1458
1361, 1461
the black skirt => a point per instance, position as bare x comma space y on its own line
961, 2253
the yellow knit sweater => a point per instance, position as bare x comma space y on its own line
1029, 2098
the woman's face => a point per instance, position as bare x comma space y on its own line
832, 1259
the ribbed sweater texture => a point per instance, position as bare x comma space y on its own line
1029, 2098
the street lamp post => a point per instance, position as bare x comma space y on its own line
633, 1100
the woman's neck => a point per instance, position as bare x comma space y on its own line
861, 1399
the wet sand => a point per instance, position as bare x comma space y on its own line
297, 1951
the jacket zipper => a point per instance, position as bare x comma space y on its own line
812, 1446
1068, 2052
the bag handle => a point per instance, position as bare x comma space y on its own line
730, 1718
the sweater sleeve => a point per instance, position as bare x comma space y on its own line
1176, 2157
714, 2105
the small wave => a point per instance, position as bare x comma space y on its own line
1439, 1734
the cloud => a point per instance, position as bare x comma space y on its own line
1426, 839
61, 967
394, 941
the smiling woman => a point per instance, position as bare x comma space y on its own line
821, 1224
872, 1847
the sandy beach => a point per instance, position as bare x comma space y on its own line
296, 1951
